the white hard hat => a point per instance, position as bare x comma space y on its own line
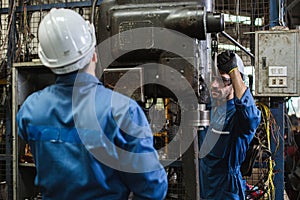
239, 64
66, 41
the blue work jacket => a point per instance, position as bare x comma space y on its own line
223, 147
89, 142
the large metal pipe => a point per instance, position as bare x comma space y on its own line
195, 22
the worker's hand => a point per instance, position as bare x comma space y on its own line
227, 62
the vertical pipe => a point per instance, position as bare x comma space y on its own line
209, 5
8, 148
281, 13
205, 51
274, 13
277, 109
10, 60
190, 163
11, 35
205, 48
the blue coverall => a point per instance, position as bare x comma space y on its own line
66, 162
232, 128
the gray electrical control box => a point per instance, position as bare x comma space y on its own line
277, 60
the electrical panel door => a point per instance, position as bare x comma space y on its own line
277, 59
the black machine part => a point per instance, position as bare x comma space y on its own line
187, 17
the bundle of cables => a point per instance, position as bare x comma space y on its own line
259, 156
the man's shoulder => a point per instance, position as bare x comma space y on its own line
115, 96
38, 96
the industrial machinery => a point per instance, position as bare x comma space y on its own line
160, 54
166, 33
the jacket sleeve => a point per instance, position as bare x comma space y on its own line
149, 181
147, 186
248, 113
22, 120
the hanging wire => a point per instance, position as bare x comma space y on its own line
8, 28
271, 129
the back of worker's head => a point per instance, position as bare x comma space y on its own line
66, 41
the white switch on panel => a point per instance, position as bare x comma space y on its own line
277, 70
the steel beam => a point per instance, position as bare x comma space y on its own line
32, 8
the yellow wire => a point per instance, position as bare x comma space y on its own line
271, 188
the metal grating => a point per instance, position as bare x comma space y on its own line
5, 109
176, 190
242, 19
27, 23
3, 37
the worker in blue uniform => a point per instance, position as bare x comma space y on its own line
223, 145
84, 146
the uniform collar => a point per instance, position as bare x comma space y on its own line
230, 104
79, 77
